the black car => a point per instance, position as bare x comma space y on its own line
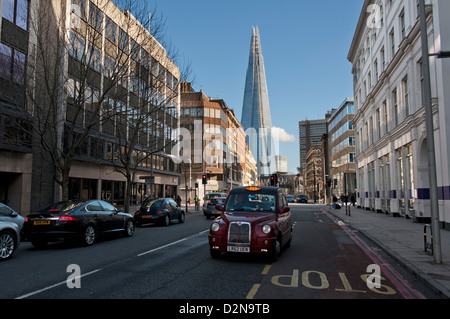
163, 211
302, 199
81, 220
209, 209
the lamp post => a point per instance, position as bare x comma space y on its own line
437, 253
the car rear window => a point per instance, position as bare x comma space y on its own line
251, 202
154, 204
216, 201
61, 207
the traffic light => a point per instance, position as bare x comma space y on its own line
272, 180
204, 179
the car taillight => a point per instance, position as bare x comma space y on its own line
67, 219
159, 212
25, 220
136, 214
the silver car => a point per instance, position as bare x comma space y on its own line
7, 214
9, 239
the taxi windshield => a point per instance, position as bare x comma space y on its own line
251, 202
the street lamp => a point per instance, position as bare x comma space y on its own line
437, 253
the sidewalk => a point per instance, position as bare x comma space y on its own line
404, 241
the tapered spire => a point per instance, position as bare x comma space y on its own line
256, 109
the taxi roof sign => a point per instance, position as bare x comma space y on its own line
253, 188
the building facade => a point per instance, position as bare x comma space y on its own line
16, 157
310, 134
341, 150
217, 145
102, 97
391, 141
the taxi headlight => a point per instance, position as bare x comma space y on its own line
266, 229
215, 226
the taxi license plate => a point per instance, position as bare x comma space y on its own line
147, 216
237, 249
41, 222
216, 212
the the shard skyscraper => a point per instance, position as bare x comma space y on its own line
256, 119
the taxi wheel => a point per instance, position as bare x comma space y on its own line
275, 252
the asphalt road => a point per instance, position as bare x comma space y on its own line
326, 260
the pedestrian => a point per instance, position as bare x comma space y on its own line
353, 199
178, 200
334, 201
196, 202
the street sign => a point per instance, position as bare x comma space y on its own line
148, 179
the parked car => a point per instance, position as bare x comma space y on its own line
302, 199
210, 209
80, 220
255, 220
9, 239
163, 211
7, 214
290, 198
211, 196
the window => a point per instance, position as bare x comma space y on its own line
16, 11
123, 40
94, 207
12, 66
395, 106
375, 67
392, 39
406, 96
378, 119
5, 211
108, 207
403, 24
95, 17
110, 30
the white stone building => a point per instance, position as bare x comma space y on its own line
391, 140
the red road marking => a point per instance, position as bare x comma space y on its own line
399, 282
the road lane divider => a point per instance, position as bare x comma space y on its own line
55, 285
171, 244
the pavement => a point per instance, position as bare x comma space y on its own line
403, 240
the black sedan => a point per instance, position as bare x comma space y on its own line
82, 220
209, 209
163, 211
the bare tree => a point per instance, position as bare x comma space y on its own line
96, 70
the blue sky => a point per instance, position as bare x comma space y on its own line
305, 46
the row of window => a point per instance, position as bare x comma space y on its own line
376, 126
119, 37
376, 67
350, 109
98, 149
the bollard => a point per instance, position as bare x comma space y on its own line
428, 245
